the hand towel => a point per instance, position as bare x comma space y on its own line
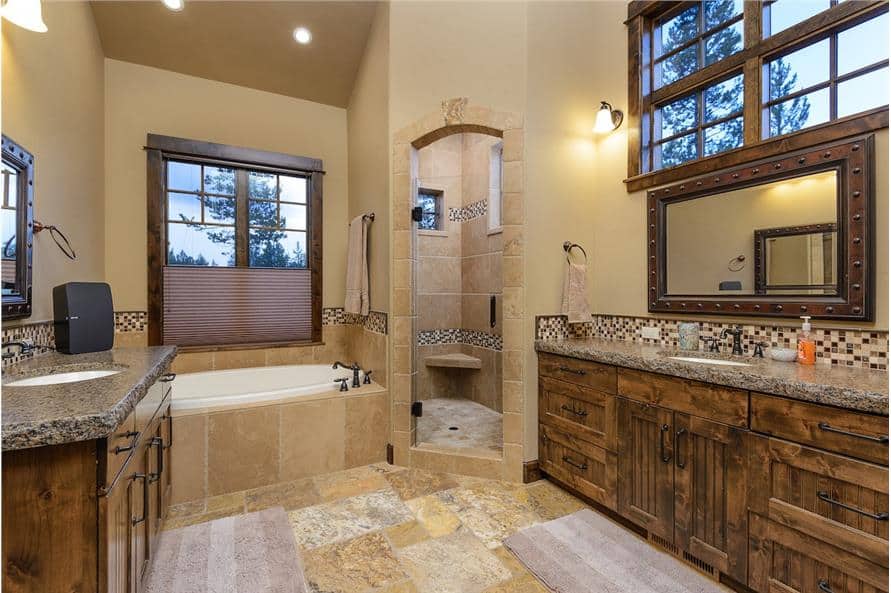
357, 268
575, 295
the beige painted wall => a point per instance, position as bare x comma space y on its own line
142, 100
56, 113
369, 154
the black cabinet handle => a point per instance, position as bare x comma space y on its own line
579, 413
581, 466
145, 501
573, 371
677, 439
131, 434
159, 443
168, 378
170, 430
825, 426
823, 495
823, 585
665, 459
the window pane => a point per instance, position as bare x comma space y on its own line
184, 176
723, 136
221, 210
800, 112
719, 11
677, 117
679, 30
724, 98
183, 207
263, 214
292, 216
219, 180
799, 70
863, 93
262, 185
865, 44
724, 43
277, 249
785, 13
677, 151
677, 66
197, 245
292, 189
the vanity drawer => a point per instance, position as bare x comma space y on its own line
118, 447
580, 465
581, 372
851, 433
714, 402
579, 411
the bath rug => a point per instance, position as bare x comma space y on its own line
586, 553
241, 554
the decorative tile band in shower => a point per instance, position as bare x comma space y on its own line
459, 336
375, 321
469, 212
847, 347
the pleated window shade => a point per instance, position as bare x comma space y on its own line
217, 305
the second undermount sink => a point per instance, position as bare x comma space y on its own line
718, 361
56, 378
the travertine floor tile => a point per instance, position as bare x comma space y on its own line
436, 518
491, 513
412, 483
290, 495
351, 482
406, 534
550, 501
354, 566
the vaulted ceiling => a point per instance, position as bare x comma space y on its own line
245, 43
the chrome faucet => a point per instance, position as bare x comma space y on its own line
737, 333
25, 348
354, 367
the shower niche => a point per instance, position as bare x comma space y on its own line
458, 294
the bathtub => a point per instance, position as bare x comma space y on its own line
240, 388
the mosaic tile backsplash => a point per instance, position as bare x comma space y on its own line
848, 347
459, 336
469, 212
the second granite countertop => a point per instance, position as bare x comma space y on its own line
845, 387
80, 411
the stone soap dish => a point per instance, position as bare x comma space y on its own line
784, 354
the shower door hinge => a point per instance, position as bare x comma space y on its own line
417, 213
417, 409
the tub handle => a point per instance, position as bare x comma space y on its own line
168, 377
367, 380
343, 383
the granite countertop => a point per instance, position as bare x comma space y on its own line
846, 387
81, 411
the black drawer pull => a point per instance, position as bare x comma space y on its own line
665, 458
130, 434
883, 440
822, 495
159, 443
677, 439
578, 372
823, 585
579, 413
581, 466
145, 501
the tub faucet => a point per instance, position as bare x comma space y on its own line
354, 367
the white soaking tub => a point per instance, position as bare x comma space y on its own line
242, 388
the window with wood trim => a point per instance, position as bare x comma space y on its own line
234, 245
721, 82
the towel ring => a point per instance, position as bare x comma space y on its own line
568, 246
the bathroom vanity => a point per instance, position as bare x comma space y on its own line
770, 475
86, 479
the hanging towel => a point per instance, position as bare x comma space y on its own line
357, 268
575, 296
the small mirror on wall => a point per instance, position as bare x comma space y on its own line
16, 224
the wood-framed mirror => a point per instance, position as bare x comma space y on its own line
16, 228
779, 237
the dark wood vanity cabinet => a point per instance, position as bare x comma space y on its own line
85, 517
780, 495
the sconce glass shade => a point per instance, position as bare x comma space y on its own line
608, 119
25, 14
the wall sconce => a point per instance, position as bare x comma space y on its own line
25, 14
608, 119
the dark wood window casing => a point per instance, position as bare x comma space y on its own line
234, 306
644, 100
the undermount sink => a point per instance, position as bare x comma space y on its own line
729, 363
57, 378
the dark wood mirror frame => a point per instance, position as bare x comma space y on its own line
853, 161
19, 305
761, 238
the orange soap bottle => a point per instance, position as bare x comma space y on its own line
807, 348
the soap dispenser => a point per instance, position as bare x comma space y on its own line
807, 348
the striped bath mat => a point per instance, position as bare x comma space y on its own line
241, 554
587, 553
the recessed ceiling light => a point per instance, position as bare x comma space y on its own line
175, 5
302, 35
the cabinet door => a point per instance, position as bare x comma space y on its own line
140, 504
167, 442
115, 551
645, 475
155, 490
710, 493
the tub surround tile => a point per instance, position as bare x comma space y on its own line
313, 437
361, 564
242, 449
188, 462
81, 411
367, 429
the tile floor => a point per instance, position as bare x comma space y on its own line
387, 529
478, 427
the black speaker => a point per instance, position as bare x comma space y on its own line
83, 317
